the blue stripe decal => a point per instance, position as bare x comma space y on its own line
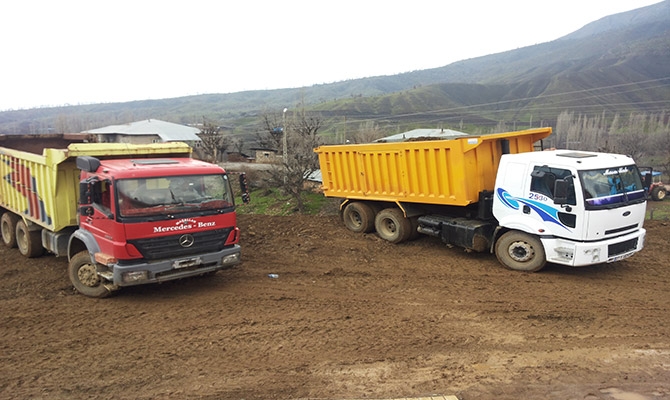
546, 212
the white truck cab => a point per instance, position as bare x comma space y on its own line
586, 208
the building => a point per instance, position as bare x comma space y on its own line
148, 131
266, 156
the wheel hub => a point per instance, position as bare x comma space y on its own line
521, 251
88, 275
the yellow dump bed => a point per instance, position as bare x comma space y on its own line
44, 188
446, 172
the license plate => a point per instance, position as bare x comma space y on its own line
189, 262
619, 257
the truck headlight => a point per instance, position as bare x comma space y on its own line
230, 259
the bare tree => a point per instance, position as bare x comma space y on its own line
300, 161
214, 144
273, 132
367, 132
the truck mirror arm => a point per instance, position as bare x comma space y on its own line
89, 210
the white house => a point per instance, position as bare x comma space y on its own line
148, 131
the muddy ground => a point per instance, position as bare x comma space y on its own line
349, 316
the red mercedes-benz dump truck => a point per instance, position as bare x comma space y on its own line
122, 214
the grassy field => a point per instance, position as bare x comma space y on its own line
659, 210
273, 202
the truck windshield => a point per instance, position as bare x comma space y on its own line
170, 194
612, 187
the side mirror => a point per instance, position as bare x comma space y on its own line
88, 163
85, 196
244, 189
87, 189
561, 190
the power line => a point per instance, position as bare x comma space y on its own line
553, 107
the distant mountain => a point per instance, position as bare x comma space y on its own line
618, 64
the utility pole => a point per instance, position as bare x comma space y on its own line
285, 146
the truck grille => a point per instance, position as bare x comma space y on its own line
169, 247
621, 248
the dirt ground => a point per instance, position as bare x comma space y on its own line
349, 317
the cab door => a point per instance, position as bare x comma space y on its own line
525, 201
562, 213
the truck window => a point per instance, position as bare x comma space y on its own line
610, 187
155, 196
544, 177
105, 197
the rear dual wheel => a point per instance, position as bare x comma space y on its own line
29, 242
359, 217
392, 225
8, 228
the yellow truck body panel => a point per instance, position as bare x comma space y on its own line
44, 188
443, 172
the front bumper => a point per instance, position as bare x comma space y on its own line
578, 254
167, 270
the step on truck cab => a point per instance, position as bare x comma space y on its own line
123, 214
492, 193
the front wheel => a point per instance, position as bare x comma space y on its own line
84, 276
520, 251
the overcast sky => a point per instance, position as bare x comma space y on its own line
57, 52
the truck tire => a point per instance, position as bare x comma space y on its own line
658, 193
8, 228
520, 251
392, 225
29, 242
84, 276
359, 217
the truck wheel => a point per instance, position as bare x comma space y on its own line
392, 225
658, 193
84, 276
520, 251
28, 242
359, 217
8, 227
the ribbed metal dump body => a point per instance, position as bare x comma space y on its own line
446, 172
45, 188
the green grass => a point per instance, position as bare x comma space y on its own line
658, 210
273, 202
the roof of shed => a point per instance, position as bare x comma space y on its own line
167, 131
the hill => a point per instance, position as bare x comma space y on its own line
618, 64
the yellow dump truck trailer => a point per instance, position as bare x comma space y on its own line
445, 172
123, 214
44, 188
492, 193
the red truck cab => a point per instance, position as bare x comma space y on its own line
150, 220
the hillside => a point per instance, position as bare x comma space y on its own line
616, 64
